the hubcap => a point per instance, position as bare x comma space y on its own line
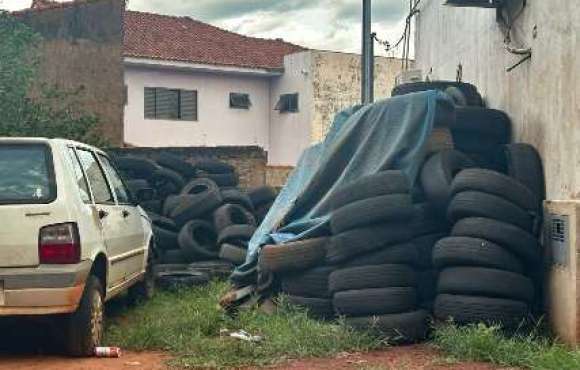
97, 318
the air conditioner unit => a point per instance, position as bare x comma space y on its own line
562, 283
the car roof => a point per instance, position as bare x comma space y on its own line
41, 140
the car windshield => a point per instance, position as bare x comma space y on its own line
26, 174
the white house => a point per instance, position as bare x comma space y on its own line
192, 84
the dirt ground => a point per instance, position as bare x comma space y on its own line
419, 357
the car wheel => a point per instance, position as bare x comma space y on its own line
84, 328
143, 290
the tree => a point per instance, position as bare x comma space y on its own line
49, 111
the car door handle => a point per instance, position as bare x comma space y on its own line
103, 213
125, 213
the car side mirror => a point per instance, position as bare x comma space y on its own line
145, 195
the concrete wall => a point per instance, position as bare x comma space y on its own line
290, 132
82, 51
541, 96
217, 124
250, 162
336, 80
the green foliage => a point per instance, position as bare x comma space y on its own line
29, 109
188, 324
483, 343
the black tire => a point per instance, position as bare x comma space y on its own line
485, 282
497, 184
261, 212
382, 183
212, 268
236, 196
403, 254
427, 287
172, 202
293, 256
136, 185
525, 165
519, 241
198, 240
369, 277
375, 301
318, 308
233, 254
477, 204
176, 164
236, 233
424, 246
370, 211
195, 206
152, 206
312, 283
232, 214
472, 310
176, 280
213, 166
469, 91
438, 173
135, 167
223, 179
483, 122
83, 329
262, 195
165, 239
173, 257
428, 221
166, 182
163, 222
465, 251
162, 267
199, 186
408, 327
143, 290
359, 241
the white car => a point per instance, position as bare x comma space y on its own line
71, 237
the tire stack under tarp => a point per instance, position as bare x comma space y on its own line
202, 220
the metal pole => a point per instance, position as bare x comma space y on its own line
367, 58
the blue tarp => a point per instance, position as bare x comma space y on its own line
363, 140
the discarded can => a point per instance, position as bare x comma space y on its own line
108, 352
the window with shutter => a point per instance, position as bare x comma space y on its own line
288, 103
170, 104
240, 101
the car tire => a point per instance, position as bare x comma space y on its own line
477, 204
311, 283
438, 173
293, 256
370, 211
223, 179
485, 282
407, 327
173, 257
427, 288
463, 309
525, 165
143, 290
233, 254
135, 167
192, 207
469, 91
483, 122
476, 252
399, 254
370, 277
375, 301
198, 240
262, 195
176, 164
237, 197
214, 166
84, 328
199, 186
235, 233
381, 183
232, 214
424, 246
166, 182
495, 183
165, 239
318, 308
515, 239
176, 280
359, 241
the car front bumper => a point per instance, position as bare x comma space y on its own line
43, 290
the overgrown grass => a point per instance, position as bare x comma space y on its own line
528, 351
188, 325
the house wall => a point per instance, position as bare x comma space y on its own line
217, 124
336, 85
81, 52
541, 96
290, 132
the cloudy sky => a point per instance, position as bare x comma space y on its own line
322, 24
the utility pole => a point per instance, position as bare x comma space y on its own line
368, 57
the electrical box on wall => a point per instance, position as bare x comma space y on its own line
562, 283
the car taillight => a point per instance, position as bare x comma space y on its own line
59, 244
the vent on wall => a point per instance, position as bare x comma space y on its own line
559, 239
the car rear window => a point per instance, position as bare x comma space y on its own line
26, 174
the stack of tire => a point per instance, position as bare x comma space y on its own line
198, 215
365, 270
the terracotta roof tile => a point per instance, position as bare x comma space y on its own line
184, 39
